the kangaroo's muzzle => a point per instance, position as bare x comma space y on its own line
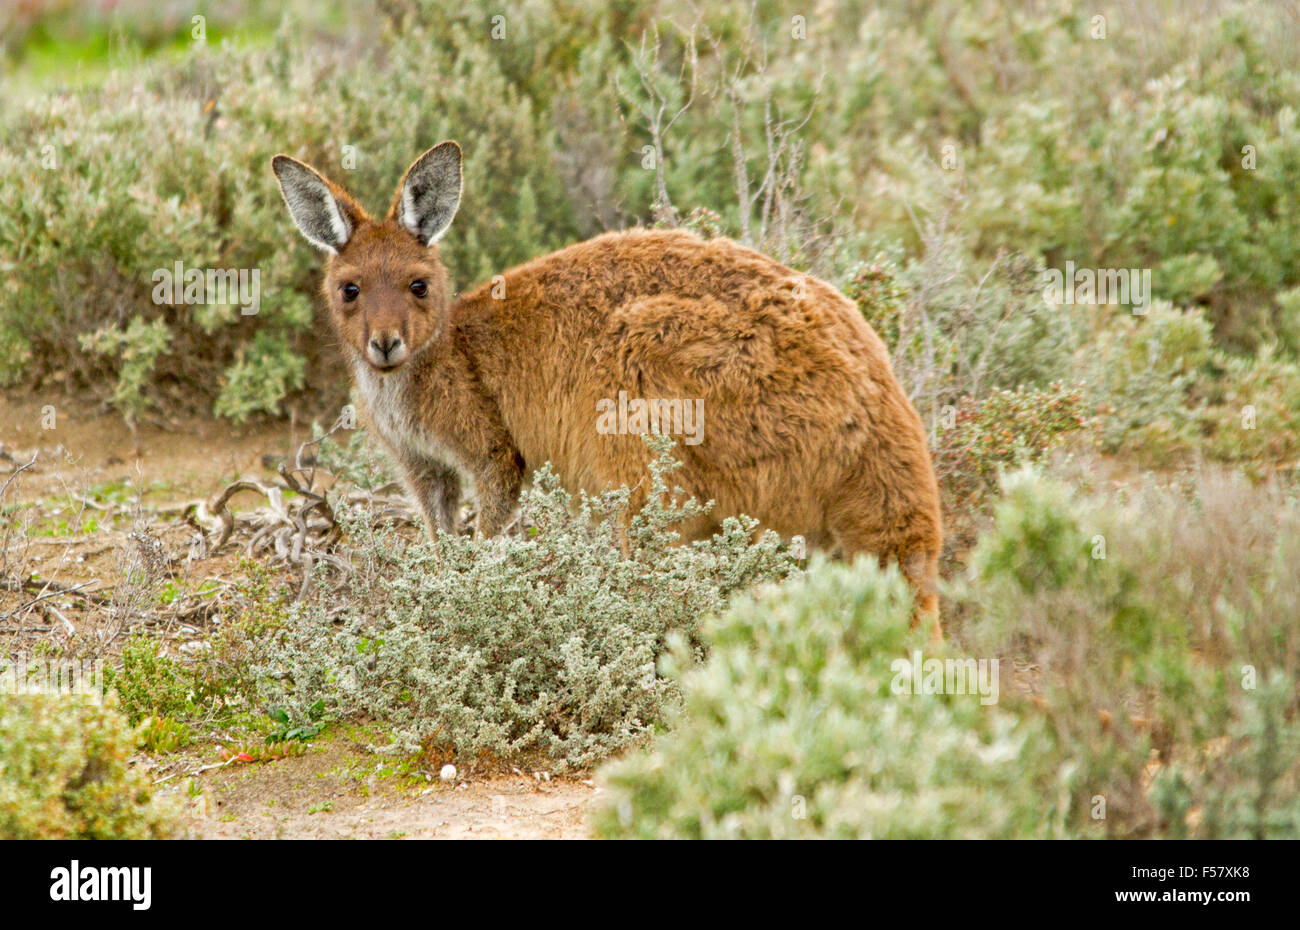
386, 351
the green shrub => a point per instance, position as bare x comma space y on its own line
1169, 395
211, 686
1009, 139
968, 326
537, 645
148, 683
999, 431
1143, 370
1243, 786
875, 288
65, 774
107, 207
1253, 412
1160, 622
358, 462
792, 729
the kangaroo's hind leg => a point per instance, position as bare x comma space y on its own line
915, 541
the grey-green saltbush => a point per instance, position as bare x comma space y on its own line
542, 646
792, 729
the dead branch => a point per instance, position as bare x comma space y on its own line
654, 108
298, 525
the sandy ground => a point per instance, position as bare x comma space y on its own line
189, 458
334, 792
91, 481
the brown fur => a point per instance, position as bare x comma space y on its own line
805, 427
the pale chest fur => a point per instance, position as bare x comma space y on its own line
392, 408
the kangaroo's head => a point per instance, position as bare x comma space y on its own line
386, 287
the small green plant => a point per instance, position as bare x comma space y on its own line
354, 461
214, 685
150, 684
1003, 429
285, 730
879, 295
705, 223
163, 735
138, 346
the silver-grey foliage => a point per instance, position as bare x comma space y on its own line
543, 644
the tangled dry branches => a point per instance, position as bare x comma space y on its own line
299, 525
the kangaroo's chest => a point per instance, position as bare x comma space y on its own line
394, 411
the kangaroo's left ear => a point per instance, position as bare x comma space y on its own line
430, 193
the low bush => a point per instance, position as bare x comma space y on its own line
1162, 624
65, 773
1143, 370
793, 729
542, 644
1004, 429
1253, 413
215, 685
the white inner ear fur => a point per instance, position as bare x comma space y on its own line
431, 193
408, 217
342, 232
338, 223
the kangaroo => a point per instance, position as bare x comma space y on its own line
804, 426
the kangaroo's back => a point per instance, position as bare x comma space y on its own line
803, 420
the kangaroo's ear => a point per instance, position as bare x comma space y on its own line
323, 213
430, 193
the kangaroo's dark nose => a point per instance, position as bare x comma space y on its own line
386, 350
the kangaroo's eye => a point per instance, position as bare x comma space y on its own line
419, 288
350, 292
